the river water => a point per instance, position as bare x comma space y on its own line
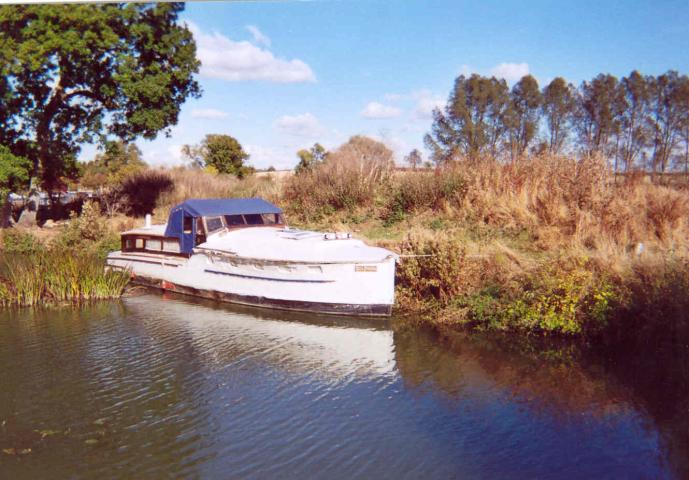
171, 387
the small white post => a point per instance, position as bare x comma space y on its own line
147, 221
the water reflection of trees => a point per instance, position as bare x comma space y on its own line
562, 380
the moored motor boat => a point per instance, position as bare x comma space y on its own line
242, 251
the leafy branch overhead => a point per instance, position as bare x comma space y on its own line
81, 73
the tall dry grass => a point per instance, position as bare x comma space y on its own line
197, 183
350, 177
568, 202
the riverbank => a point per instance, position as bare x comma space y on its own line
544, 245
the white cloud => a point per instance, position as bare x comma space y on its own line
426, 102
175, 151
259, 37
209, 113
378, 110
511, 72
303, 125
281, 158
162, 156
237, 61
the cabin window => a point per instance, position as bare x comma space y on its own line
270, 218
188, 222
129, 243
171, 246
139, 243
213, 224
254, 219
154, 244
234, 220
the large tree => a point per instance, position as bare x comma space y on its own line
71, 74
599, 114
666, 117
524, 114
635, 132
473, 122
221, 153
559, 104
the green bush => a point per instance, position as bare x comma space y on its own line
431, 271
563, 297
18, 242
89, 232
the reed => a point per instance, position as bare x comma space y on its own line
55, 276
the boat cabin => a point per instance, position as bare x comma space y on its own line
192, 221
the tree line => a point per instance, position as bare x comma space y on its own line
639, 121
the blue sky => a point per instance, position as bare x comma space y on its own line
280, 76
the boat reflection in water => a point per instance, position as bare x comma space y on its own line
333, 347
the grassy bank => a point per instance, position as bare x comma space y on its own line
545, 245
69, 267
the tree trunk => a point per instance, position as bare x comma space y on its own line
6, 212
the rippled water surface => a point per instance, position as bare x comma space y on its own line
155, 386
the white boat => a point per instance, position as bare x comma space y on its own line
242, 251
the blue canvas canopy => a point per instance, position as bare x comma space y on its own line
210, 207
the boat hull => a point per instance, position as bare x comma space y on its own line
364, 289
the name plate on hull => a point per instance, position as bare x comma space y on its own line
365, 268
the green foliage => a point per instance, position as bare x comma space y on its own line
57, 276
431, 271
88, 232
14, 172
309, 159
110, 168
78, 73
474, 120
20, 243
563, 297
219, 153
437, 224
